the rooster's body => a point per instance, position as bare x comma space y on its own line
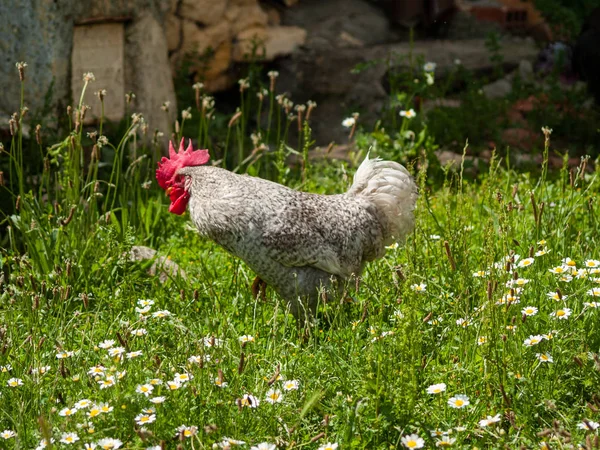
297, 242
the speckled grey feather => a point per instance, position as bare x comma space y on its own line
298, 242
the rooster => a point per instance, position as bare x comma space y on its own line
297, 243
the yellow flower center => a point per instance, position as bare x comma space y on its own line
560, 313
459, 402
411, 444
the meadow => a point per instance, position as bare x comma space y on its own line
481, 331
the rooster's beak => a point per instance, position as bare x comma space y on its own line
169, 189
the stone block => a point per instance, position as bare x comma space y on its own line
207, 12
99, 48
275, 41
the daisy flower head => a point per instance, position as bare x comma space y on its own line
438, 433
69, 438
143, 419
65, 412
161, 314
459, 401
274, 396
246, 338
463, 322
525, 262
348, 122
109, 443
588, 425
139, 332
591, 263
135, 354
544, 357
533, 340
211, 341
568, 262
105, 407
97, 370
187, 432
562, 314
219, 382
592, 304
408, 114
559, 270
14, 382
64, 354
145, 389
519, 282
480, 273
529, 311
144, 310
249, 401
194, 359
429, 78
445, 441
264, 446
436, 388
509, 299
40, 370
556, 296
145, 302
542, 252
291, 385
183, 377
116, 351
106, 344
594, 292
489, 420
173, 385
421, 287
94, 411
107, 382
6, 368
412, 441
429, 66
7, 434
329, 446
158, 400
482, 340
228, 442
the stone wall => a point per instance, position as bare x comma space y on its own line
157, 34
219, 33
42, 32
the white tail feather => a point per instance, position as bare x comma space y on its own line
392, 190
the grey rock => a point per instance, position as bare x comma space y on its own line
498, 89
526, 70
332, 23
164, 267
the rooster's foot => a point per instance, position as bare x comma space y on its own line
259, 288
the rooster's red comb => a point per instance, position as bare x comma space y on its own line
168, 167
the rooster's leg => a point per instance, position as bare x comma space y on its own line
259, 288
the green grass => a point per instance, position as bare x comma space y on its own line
416, 318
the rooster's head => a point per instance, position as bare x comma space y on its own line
177, 186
